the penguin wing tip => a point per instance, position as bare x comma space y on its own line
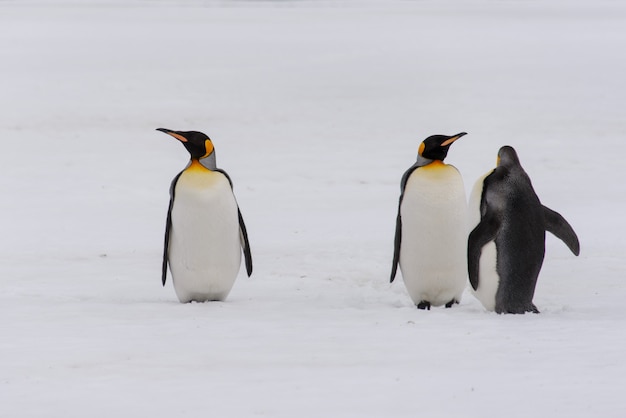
574, 246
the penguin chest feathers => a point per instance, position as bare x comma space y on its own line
434, 224
204, 247
436, 184
203, 196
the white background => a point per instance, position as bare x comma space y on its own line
315, 109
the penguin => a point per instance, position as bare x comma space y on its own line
204, 231
431, 227
506, 248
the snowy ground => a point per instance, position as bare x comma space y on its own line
315, 110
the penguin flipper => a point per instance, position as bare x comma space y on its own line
559, 227
168, 226
484, 232
243, 232
397, 241
245, 244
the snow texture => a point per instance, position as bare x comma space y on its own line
315, 109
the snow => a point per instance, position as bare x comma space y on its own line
315, 109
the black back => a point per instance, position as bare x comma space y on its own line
513, 217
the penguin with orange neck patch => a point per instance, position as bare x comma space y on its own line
205, 232
431, 227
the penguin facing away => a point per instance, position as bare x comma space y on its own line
205, 232
506, 249
431, 227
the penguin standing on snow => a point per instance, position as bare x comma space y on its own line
506, 248
431, 227
205, 232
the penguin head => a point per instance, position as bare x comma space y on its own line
436, 147
507, 157
198, 144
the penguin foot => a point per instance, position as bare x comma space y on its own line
423, 305
452, 302
517, 309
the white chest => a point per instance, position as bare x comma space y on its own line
204, 247
488, 278
434, 239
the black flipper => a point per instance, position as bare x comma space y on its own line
168, 225
559, 227
396, 245
484, 232
397, 241
245, 244
243, 232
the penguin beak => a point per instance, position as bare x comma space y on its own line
452, 139
173, 133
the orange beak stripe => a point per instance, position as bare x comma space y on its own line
177, 136
449, 141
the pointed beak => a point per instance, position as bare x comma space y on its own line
173, 133
452, 139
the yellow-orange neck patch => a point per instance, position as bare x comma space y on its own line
196, 165
435, 164
208, 145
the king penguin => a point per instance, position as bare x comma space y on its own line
205, 232
431, 227
506, 248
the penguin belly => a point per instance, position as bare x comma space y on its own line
434, 240
204, 247
488, 277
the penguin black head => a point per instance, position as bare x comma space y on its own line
198, 144
436, 147
507, 157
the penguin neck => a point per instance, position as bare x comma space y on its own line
201, 164
423, 161
209, 162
